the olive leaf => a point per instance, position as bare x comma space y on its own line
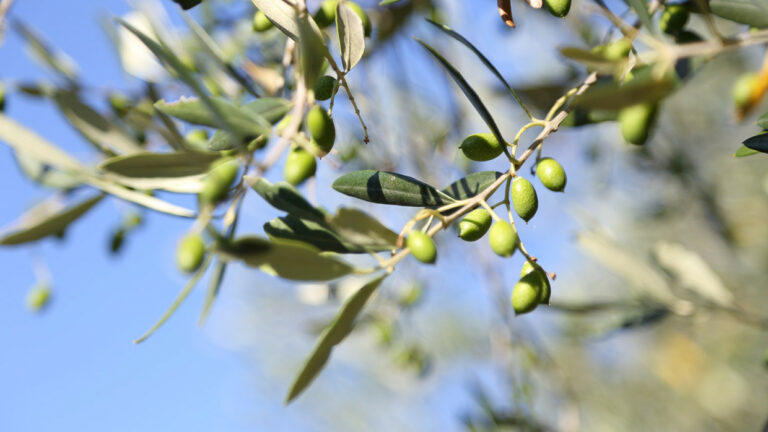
641, 10
471, 185
316, 234
286, 259
102, 133
242, 120
175, 172
187, 4
351, 34
758, 142
312, 51
468, 91
271, 109
383, 187
284, 17
612, 96
745, 151
341, 326
44, 174
283, 196
753, 13
46, 220
591, 60
361, 229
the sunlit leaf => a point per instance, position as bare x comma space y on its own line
312, 51
283, 196
40, 223
244, 121
361, 229
692, 272
750, 12
351, 34
341, 326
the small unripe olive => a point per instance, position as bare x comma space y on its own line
326, 13
475, 224
546, 288
673, 19
481, 147
321, 128
38, 298
617, 50
190, 252
363, 17
636, 122
551, 174
118, 102
261, 23
524, 199
324, 87
743, 88
526, 294
422, 246
216, 185
299, 166
503, 238
558, 8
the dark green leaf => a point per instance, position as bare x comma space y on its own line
758, 142
336, 331
188, 4
316, 234
44, 221
471, 185
389, 188
283, 196
469, 92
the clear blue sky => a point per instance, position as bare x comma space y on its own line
74, 367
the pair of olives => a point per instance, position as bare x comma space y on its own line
531, 290
300, 163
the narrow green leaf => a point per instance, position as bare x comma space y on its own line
242, 120
641, 10
745, 151
361, 229
271, 109
592, 60
313, 233
54, 59
45, 174
389, 188
387, 2
102, 133
179, 299
351, 33
612, 96
284, 17
283, 196
758, 142
749, 12
289, 260
213, 290
341, 326
468, 91
42, 222
471, 185
312, 51
163, 165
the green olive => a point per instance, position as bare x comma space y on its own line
324, 87
503, 238
636, 122
526, 294
326, 13
299, 166
475, 224
524, 199
422, 246
38, 297
673, 19
481, 147
551, 174
261, 23
558, 8
219, 180
197, 138
190, 252
546, 288
118, 102
367, 28
743, 88
321, 128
